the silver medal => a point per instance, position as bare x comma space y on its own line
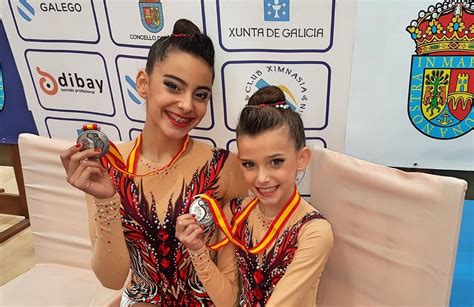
200, 208
94, 139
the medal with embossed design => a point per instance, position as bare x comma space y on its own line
92, 138
200, 209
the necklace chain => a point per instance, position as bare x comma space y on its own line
167, 169
263, 220
153, 168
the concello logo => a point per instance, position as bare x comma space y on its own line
294, 85
151, 14
68, 82
26, 10
442, 72
276, 10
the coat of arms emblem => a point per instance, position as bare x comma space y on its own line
151, 14
442, 71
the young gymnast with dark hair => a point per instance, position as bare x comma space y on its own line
132, 219
282, 243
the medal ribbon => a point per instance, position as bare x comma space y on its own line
220, 219
90, 127
271, 234
114, 157
133, 157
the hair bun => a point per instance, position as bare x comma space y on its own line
185, 26
269, 95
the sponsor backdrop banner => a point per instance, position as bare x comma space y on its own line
412, 85
78, 61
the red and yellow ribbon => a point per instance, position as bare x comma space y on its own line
221, 221
114, 157
278, 223
90, 127
129, 168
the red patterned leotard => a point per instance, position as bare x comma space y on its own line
287, 273
161, 268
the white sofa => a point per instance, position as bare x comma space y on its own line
62, 275
395, 232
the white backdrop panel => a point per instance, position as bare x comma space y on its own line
78, 61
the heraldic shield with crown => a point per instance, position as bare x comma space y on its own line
442, 71
151, 14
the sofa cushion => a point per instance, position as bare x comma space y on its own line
395, 233
55, 285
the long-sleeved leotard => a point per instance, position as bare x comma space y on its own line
288, 272
138, 229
